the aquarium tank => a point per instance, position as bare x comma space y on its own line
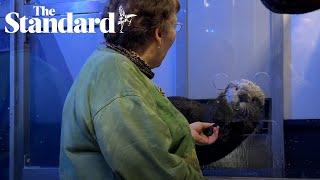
220, 42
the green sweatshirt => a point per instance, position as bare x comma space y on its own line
117, 125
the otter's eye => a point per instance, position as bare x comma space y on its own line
257, 101
244, 98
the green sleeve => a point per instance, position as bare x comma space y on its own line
136, 143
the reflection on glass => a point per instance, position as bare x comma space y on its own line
53, 67
263, 79
221, 81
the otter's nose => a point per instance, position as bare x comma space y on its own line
244, 98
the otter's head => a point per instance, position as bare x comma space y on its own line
244, 96
245, 101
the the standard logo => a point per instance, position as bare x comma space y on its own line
45, 22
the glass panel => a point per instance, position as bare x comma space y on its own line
221, 41
230, 40
305, 66
303, 116
55, 61
4, 104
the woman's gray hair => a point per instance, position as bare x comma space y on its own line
151, 14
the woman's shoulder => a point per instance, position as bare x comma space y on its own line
108, 61
111, 73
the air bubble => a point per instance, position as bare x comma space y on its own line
263, 79
221, 81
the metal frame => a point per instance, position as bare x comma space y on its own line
35, 173
287, 63
277, 30
18, 99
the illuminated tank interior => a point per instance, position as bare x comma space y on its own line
220, 41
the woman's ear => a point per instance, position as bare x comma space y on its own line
158, 36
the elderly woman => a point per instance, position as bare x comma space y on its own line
116, 122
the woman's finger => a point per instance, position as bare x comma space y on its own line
206, 125
200, 126
213, 138
199, 138
202, 140
197, 129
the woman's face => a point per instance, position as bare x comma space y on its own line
167, 39
171, 36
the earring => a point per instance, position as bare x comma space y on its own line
159, 47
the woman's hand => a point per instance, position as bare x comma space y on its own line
197, 129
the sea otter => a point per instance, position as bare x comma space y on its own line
237, 111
